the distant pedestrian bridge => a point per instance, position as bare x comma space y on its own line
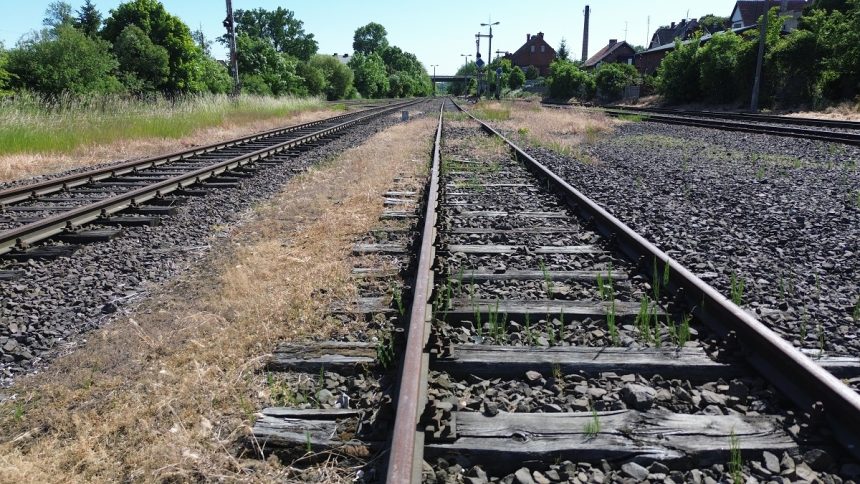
443, 78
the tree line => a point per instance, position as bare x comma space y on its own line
141, 49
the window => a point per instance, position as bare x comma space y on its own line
737, 25
533, 49
543, 48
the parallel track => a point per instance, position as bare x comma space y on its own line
756, 118
454, 216
92, 195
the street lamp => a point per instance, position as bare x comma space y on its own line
490, 49
434, 66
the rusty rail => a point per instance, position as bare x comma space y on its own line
404, 463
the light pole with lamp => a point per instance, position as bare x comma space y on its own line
490, 49
434, 66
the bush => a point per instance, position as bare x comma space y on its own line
67, 62
338, 77
371, 79
611, 79
216, 77
794, 59
678, 74
143, 64
532, 73
517, 78
718, 66
567, 81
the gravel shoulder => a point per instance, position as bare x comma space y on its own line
779, 215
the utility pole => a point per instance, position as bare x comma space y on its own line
625, 31
761, 44
466, 89
231, 40
648, 33
434, 66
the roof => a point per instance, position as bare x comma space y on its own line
535, 40
751, 10
604, 53
703, 39
667, 34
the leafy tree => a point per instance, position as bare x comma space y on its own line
713, 23
4, 74
314, 78
678, 74
337, 76
718, 65
459, 88
68, 61
164, 30
58, 14
406, 72
796, 62
89, 19
371, 79
567, 80
260, 62
517, 78
369, 39
279, 27
612, 78
638, 48
563, 53
837, 35
144, 65
216, 76
532, 73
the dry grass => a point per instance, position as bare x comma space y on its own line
846, 111
561, 130
24, 165
165, 394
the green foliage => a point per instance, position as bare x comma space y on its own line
369, 39
568, 80
66, 62
216, 77
517, 78
279, 27
563, 53
337, 76
406, 75
89, 19
4, 74
718, 63
143, 65
164, 30
612, 78
58, 14
795, 79
532, 73
259, 62
713, 23
371, 78
678, 74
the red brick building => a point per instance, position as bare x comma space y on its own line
614, 52
535, 52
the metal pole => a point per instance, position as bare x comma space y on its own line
231, 38
434, 66
760, 60
490, 47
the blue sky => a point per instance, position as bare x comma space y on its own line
437, 32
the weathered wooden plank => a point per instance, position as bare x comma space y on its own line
364, 305
518, 275
45, 252
386, 248
272, 432
89, 236
394, 215
465, 309
506, 440
373, 272
525, 230
11, 275
342, 357
490, 361
311, 413
510, 249
840, 366
498, 214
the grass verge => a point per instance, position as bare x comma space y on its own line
166, 394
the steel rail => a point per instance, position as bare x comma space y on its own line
20, 237
407, 445
24, 192
831, 136
761, 118
799, 378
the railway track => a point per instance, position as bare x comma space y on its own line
846, 132
58, 208
548, 342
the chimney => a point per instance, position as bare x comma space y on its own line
613, 41
585, 34
335, 54
540, 35
673, 25
528, 37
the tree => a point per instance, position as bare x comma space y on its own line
718, 66
562, 53
612, 78
260, 62
371, 79
369, 39
532, 73
216, 76
638, 48
517, 78
713, 23
164, 30
678, 74
568, 80
68, 61
406, 76
58, 14
337, 76
5, 77
144, 65
202, 42
796, 61
279, 27
89, 20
